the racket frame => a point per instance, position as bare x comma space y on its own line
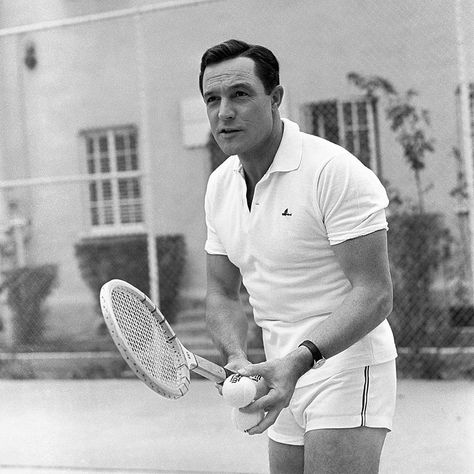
186, 360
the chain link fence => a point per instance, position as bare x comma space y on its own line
103, 177
49, 304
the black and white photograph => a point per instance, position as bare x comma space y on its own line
236, 236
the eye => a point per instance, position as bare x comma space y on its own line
241, 94
211, 99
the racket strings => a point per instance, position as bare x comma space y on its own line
146, 338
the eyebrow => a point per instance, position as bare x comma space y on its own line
237, 85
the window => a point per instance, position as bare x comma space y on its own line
351, 124
115, 188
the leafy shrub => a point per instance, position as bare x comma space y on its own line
28, 287
126, 258
417, 248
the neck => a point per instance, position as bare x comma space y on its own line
257, 162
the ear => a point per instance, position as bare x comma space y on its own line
277, 96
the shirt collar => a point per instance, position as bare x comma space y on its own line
288, 155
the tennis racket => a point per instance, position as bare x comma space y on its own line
149, 345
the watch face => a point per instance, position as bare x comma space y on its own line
319, 363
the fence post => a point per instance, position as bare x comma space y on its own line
466, 136
147, 172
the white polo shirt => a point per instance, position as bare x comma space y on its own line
315, 194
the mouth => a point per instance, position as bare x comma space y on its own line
226, 131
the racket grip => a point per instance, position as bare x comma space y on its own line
261, 385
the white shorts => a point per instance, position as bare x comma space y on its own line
363, 396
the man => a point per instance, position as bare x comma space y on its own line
302, 222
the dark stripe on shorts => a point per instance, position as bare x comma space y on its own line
365, 397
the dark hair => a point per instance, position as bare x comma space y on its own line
267, 68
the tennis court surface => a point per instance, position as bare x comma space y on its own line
121, 426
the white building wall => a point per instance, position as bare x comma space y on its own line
86, 77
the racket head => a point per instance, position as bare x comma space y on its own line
145, 339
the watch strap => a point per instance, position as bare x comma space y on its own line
313, 348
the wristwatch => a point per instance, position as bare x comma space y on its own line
319, 360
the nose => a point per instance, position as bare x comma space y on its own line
226, 110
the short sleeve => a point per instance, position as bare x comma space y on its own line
213, 244
351, 198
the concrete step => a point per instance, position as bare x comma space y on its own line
195, 341
198, 314
190, 327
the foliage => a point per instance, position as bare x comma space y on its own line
408, 121
417, 248
371, 85
419, 244
28, 287
126, 258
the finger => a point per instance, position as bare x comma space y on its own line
252, 369
268, 421
261, 386
236, 364
266, 403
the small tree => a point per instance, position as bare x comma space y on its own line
419, 243
408, 120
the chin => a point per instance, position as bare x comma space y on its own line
228, 148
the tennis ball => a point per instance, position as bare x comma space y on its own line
244, 421
238, 391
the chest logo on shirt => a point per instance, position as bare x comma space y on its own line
286, 213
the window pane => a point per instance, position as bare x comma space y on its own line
123, 188
136, 188
132, 141
119, 142
94, 216
93, 192
350, 141
131, 213
90, 146
106, 190
108, 215
125, 214
91, 166
121, 162
138, 212
362, 113
103, 146
347, 110
364, 147
104, 164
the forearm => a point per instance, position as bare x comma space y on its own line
227, 324
362, 310
364, 261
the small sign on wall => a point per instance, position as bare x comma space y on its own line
194, 124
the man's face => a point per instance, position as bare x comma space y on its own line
239, 110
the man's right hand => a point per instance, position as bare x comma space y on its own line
234, 364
